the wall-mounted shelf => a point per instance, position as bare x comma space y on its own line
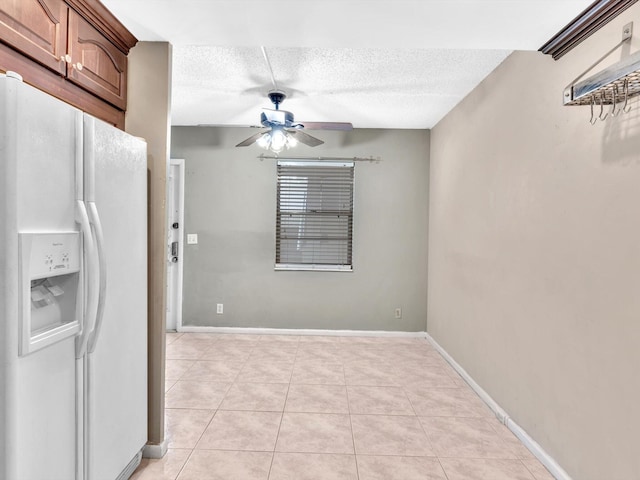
615, 84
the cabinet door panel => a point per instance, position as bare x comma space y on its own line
37, 28
96, 64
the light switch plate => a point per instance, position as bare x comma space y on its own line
192, 239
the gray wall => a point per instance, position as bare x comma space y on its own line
534, 256
230, 201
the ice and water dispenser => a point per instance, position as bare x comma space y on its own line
51, 286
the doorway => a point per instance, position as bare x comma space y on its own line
175, 236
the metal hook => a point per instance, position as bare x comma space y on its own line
593, 119
602, 99
614, 112
626, 96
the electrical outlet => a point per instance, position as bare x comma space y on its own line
220, 309
398, 313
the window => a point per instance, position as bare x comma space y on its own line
314, 217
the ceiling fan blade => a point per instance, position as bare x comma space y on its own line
305, 138
326, 125
251, 140
230, 125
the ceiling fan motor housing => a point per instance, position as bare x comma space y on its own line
282, 126
269, 118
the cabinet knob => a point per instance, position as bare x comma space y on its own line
78, 66
67, 58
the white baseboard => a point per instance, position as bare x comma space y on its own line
556, 470
155, 450
296, 331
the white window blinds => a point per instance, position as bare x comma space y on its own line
314, 218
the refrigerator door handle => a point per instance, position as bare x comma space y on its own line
91, 297
94, 217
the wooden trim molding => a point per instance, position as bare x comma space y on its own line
97, 14
598, 14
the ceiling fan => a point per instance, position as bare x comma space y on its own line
283, 131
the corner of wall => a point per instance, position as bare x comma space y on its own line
149, 116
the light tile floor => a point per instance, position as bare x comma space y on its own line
276, 407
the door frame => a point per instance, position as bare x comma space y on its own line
173, 198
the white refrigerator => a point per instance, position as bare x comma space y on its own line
73, 291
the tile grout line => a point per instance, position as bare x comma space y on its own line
533, 475
191, 453
353, 439
185, 463
215, 411
284, 406
431, 444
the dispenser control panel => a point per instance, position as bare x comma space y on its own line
54, 254
50, 290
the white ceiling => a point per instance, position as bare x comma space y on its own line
375, 63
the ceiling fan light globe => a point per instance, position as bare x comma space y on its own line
278, 140
291, 141
264, 141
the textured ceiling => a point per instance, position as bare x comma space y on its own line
387, 64
370, 88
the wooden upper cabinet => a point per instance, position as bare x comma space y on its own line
75, 50
37, 28
95, 63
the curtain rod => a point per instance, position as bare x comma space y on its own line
352, 159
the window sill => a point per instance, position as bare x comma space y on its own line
313, 268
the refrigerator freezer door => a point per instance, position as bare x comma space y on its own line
117, 399
37, 401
